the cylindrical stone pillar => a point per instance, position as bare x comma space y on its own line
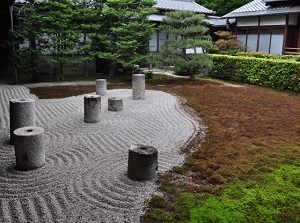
138, 86
29, 147
101, 87
142, 162
22, 113
92, 108
115, 104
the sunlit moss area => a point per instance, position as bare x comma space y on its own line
274, 198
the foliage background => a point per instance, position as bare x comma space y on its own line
222, 7
74, 32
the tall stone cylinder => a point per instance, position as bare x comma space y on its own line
101, 87
22, 113
29, 147
92, 108
142, 162
138, 87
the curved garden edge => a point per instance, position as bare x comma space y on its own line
253, 135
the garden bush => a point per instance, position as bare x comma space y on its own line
283, 74
268, 56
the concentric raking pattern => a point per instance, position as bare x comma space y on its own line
84, 178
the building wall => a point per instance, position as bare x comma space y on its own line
270, 34
159, 38
293, 19
273, 20
249, 21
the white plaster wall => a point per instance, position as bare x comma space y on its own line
249, 21
273, 20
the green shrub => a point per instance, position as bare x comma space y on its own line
283, 74
269, 56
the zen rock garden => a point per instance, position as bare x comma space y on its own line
28, 139
62, 158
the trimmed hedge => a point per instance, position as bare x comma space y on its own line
283, 74
269, 56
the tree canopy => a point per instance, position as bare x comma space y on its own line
222, 7
76, 31
127, 30
188, 41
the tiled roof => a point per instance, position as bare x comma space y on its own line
254, 6
189, 5
258, 7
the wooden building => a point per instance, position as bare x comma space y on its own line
270, 26
163, 6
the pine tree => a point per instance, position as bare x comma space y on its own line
127, 30
76, 31
88, 15
63, 35
28, 41
190, 33
58, 28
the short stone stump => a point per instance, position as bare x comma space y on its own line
22, 113
142, 162
115, 104
101, 87
92, 108
29, 148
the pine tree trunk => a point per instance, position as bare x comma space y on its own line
33, 55
191, 74
112, 69
56, 72
61, 69
33, 59
86, 74
190, 71
85, 54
